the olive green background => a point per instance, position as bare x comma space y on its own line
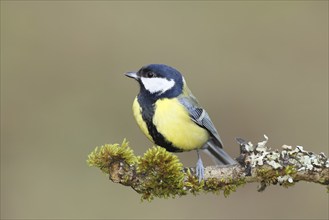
258, 67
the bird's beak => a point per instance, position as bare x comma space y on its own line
132, 75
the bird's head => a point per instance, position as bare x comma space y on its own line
158, 80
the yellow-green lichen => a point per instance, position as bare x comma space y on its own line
284, 176
290, 170
163, 173
102, 156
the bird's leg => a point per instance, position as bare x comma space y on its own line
199, 170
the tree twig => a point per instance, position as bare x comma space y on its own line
160, 174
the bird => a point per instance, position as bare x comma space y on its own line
171, 117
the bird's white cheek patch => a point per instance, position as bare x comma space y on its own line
157, 85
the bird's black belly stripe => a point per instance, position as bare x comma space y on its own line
147, 106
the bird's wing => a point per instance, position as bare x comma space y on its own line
199, 115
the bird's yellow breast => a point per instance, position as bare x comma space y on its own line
139, 119
172, 120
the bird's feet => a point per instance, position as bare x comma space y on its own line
199, 170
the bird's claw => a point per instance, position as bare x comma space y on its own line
199, 170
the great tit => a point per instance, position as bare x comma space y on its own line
170, 116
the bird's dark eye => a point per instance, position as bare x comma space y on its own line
150, 74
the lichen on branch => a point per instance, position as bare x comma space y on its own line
159, 173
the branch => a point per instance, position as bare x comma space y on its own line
160, 174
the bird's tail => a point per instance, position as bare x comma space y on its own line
218, 154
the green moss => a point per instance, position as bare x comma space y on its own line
228, 189
287, 184
324, 181
163, 174
228, 186
213, 185
102, 156
192, 183
268, 175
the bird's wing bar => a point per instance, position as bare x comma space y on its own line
200, 117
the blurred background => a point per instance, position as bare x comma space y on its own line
258, 67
